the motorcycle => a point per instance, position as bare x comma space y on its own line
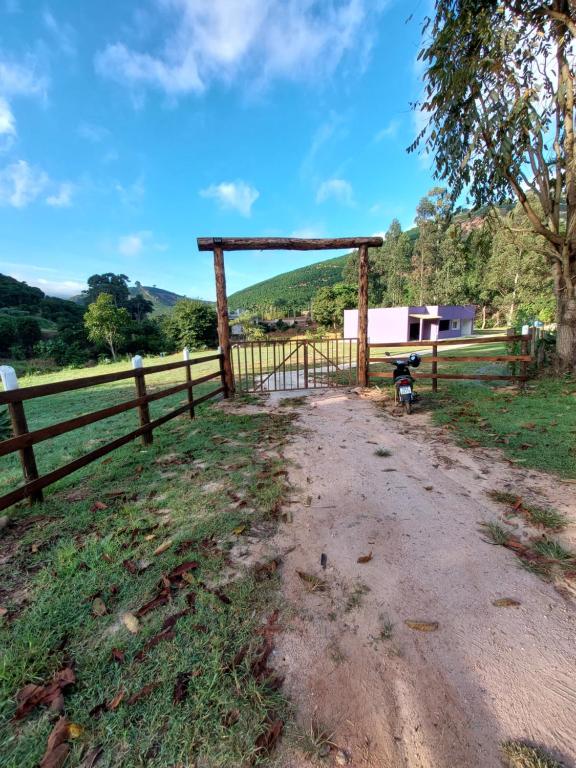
404, 381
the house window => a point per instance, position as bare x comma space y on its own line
455, 325
444, 325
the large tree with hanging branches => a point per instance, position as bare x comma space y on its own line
499, 97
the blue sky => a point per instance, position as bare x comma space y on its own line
129, 128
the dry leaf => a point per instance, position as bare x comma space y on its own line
75, 731
142, 693
239, 529
117, 655
422, 626
34, 548
365, 558
98, 506
505, 602
56, 750
163, 547
267, 740
130, 622
98, 607
50, 694
314, 583
181, 687
117, 700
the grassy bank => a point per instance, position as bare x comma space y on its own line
535, 427
181, 680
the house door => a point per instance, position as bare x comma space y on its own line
414, 332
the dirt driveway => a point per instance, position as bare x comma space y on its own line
392, 695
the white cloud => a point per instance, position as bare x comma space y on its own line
234, 195
63, 33
21, 184
260, 40
336, 189
131, 195
132, 245
17, 80
388, 132
92, 132
7, 125
63, 197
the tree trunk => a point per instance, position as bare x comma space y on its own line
112, 350
483, 316
566, 334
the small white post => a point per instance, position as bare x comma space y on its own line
137, 361
9, 378
185, 354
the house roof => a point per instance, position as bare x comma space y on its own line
425, 316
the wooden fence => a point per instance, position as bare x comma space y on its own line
23, 439
518, 362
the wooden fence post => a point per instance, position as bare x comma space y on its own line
143, 410
223, 321
434, 368
525, 350
20, 427
305, 365
186, 357
363, 316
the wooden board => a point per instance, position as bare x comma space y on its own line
285, 243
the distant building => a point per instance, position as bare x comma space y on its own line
429, 323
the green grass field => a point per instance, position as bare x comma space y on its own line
190, 686
43, 411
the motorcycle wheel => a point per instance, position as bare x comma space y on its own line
408, 406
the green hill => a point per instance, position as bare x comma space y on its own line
294, 288
162, 299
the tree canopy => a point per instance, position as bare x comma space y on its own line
106, 323
499, 95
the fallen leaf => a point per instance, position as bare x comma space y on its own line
181, 687
92, 757
3, 611
505, 602
365, 558
314, 583
181, 569
34, 548
267, 740
117, 655
130, 622
239, 529
422, 626
98, 506
165, 634
51, 694
142, 693
57, 751
163, 547
117, 700
75, 731
99, 607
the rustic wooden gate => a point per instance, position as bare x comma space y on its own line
279, 365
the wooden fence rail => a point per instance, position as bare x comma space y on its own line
23, 439
524, 358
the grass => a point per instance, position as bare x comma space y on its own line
538, 516
495, 533
316, 742
44, 411
553, 550
382, 452
535, 428
516, 754
198, 483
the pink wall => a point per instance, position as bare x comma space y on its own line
389, 324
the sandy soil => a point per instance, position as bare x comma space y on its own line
444, 698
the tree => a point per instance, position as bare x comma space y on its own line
29, 332
329, 303
192, 324
432, 219
8, 334
499, 90
109, 283
139, 308
106, 323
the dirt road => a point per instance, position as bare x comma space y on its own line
391, 695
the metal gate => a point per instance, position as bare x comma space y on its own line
278, 365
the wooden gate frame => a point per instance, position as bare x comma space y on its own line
220, 244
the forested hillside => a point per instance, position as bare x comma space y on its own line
290, 291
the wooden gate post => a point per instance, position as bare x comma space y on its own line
363, 316
189, 390
434, 367
223, 323
306, 365
144, 409
20, 427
